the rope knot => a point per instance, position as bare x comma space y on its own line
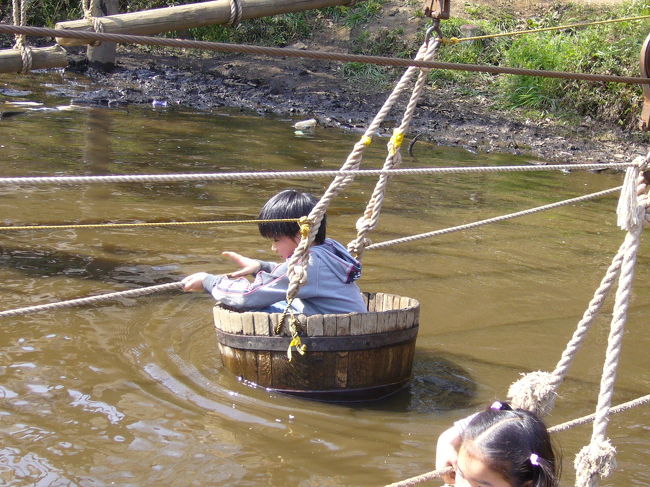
533, 392
593, 461
450, 40
366, 140
305, 226
627, 210
395, 141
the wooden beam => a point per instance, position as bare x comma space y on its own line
42, 57
187, 16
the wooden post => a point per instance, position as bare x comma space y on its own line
644, 123
187, 16
42, 58
102, 56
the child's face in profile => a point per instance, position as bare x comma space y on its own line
284, 246
473, 471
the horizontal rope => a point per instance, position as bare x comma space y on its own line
132, 293
501, 218
308, 54
640, 401
144, 224
233, 176
454, 40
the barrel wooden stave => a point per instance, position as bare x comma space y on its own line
339, 374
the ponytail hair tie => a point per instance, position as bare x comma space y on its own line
534, 459
500, 406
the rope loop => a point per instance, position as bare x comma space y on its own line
594, 461
236, 13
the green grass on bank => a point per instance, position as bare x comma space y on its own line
605, 49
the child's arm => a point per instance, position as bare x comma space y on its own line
447, 451
247, 265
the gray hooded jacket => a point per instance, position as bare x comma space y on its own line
330, 286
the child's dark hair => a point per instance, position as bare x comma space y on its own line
289, 204
514, 443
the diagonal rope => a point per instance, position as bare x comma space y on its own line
501, 218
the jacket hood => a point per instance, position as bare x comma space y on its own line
339, 261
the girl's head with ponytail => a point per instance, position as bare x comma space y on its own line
502, 447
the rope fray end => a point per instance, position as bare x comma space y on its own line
594, 461
533, 392
627, 210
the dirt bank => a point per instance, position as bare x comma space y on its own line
307, 88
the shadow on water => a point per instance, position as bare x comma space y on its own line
437, 385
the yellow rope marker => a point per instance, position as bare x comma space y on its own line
395, 141
456, 40
295, 339
145, 224
365, 140
305, 226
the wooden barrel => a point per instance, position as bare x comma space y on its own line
349, 357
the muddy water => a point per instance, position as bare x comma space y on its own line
134, 393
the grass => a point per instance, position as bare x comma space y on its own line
604, 49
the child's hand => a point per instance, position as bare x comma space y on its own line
447, 452
194, 282
248, 265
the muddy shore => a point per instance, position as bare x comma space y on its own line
304, 89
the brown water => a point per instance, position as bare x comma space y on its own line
134, 393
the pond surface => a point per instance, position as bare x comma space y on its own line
134, 393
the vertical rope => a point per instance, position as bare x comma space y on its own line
20, 16
236, 13
373, 209
596, 460
298, 261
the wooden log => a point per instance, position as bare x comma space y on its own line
183, 17
102, 56
42, 58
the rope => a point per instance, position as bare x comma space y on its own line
422, 478
640, 401
169, 178
145, 224
309, 54
133, 293
19, 16
371, 215
456, 40
236, 13
98, 26
479, 223
297, 262
537, 391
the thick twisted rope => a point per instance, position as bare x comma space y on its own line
297, 262
19, 17
501, 218
371, 215
132, 293
236, 13
596, 460
309, 54
234, 176
536, 391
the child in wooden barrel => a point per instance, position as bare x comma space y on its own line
331, 271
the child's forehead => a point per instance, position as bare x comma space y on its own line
474, 467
